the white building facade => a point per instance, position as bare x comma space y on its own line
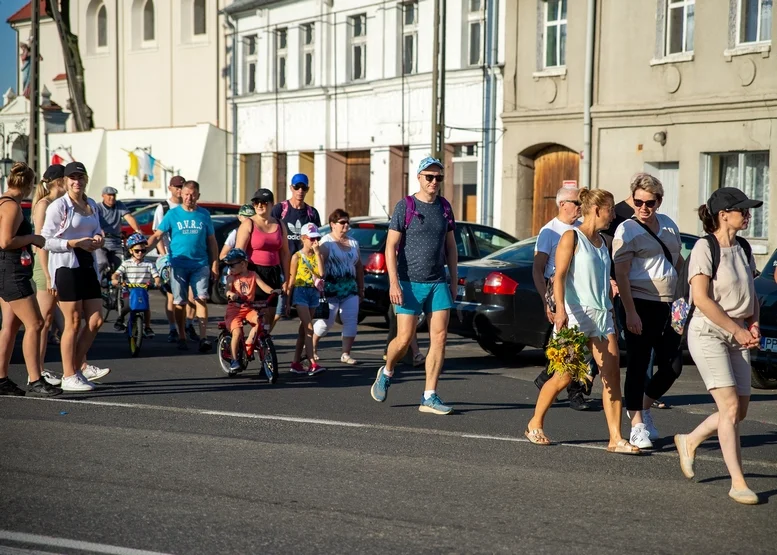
342, 91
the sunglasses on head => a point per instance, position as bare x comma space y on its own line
649, 203
298, 186
437, 178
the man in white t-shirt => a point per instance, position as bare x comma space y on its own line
545, 267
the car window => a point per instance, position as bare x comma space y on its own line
221, 232
222, 210
686, 244
490, 240
517, 253
145, 215
768, 269
463, 242
369, 238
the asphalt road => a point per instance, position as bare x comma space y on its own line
168, 455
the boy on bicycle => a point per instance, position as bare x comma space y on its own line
241, 286
136, 270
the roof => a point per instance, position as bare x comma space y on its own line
61, 77
25, 13
245, 5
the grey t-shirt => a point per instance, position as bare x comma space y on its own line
110, 221
422, 258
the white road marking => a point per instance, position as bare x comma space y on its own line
72, 544
343, 424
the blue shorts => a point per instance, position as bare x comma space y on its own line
418, 297
306, 296
182, 279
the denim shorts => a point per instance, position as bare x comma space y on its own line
418, 297
198, 279
306, 296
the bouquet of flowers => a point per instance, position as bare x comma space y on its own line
567, 353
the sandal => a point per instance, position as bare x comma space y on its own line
659, 404
315, 357
347, 359
624, 448
537, 437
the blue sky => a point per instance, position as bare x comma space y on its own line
8, 53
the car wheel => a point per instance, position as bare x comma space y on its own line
759, 381
506, 352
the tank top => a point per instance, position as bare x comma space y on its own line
304, 277
588, 278
245, 285
25, 228
265, 247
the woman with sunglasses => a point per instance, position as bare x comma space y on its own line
724, 325
344, 283
646, 253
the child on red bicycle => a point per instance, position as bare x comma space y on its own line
136, 270
241, 286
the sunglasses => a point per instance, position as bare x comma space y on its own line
299, 186
343, 222
575, 202
233, 264
744, 211
649, 203
139, 251
437, 178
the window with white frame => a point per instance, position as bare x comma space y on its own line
680, 19
308, 36
148, 21
250, 58
749, 172
555, 33
754, 21
475, 25
102, 27
409, 37
358, 46
281, 53
199, 15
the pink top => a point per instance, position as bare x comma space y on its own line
266, 247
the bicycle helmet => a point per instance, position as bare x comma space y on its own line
235, 255
136, 239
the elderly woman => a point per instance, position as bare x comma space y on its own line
646, 253
723, 326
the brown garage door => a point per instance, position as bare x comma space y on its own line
552, 166
357, 183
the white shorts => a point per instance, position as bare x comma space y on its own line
591, 321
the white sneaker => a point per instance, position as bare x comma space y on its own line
50, 377
75, 383
640, 437
92, 373
647, 419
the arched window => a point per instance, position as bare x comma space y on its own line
148, 21
199, 17
102, 27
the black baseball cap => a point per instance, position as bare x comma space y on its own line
263, 195
55, 171
75, 167
730, 198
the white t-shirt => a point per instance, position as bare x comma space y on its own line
231, 239
548, 239
159, 213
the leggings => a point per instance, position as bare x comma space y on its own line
657, 337
349, 316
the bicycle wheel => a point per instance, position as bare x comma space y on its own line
135, 332
269, 360
224, 352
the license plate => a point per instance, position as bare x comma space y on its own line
460, 291
769, 344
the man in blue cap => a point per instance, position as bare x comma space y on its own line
419, 245
111, 212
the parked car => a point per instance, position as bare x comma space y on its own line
498, 305
764, 360
474, 241
145, 216
222, 227
135, 204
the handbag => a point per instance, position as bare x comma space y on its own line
322, 310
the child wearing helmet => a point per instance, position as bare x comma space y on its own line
241, 285
136, 270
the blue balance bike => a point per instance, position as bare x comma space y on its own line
138, 304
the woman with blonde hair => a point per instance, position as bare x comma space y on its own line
583, 298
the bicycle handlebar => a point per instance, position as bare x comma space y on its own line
258, 304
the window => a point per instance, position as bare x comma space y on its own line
308, 32
755, 21
680, 26
490, 240
475, 22
409, 37
102, 27
281, 49
555, 38
148, 21
748, 171
358, 25
463, 151
199, 17
250, 58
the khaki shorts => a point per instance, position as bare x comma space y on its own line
721, 361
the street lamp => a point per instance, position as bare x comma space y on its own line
5, 166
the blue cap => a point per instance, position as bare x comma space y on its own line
429, 161
300, 178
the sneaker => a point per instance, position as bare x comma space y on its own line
578, 402
234, 366
50, 377
92, 372
191, 334
118, 325
379, 389
182, 346
74, 383
640, 437
42, 388
315, 368
7, 387
205, 345
647, 419
148, 333
434, 405
419, 360
297, 368
172, 337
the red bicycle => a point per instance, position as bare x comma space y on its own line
262, 347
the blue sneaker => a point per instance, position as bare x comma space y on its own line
434, 405
235, 366
379, 389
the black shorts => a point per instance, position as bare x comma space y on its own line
271, 275
15, 279
77, 284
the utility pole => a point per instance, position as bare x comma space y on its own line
32, 141
438, 83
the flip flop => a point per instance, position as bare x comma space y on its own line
624, 448
537, 437
659, 404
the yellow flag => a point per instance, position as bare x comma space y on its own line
133, 169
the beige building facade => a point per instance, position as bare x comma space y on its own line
684, 90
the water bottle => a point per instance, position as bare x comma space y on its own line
26, 258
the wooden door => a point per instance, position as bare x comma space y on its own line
357, 183
552, 166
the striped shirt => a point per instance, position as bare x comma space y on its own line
137, 272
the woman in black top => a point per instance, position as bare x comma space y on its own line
18, 302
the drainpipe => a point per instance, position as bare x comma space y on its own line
489, 113
233, 77
590, 37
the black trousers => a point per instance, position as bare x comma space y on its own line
657, 337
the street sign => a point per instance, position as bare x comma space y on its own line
569, 183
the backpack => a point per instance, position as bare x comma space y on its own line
165, 207
411, 212
285, 210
